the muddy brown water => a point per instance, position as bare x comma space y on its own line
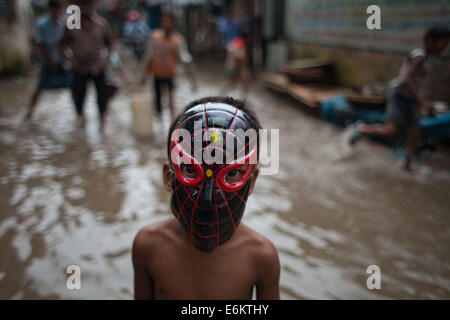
69, 196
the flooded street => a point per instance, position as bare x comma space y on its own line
76, 197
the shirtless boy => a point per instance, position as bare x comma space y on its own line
402, 109
203, 251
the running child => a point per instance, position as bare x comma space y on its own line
402, 109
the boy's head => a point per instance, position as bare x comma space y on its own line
54, 9
134, 15
168, 21
213, 155
436, 40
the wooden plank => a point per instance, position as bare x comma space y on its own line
311, 96
366, 102
278, 82
307, 63
357, 97
314, 96
313, 75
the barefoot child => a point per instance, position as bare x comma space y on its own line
203, 251
401, 109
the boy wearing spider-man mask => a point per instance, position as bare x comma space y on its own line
204, 251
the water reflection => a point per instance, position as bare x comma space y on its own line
69, 196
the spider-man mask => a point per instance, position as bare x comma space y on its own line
213, 154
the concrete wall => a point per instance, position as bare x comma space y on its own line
356, 68
342, 23
359, 64
15, 35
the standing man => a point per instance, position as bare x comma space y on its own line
89, 49
54, 73
165, 48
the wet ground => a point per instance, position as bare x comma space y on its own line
71, 196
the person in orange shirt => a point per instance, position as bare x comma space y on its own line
166, 47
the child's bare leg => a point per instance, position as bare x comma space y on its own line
229, 85
78, 91
32, 105
413, 135
381, 130
245, 78
102, 120
171, 104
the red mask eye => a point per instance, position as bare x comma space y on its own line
179, 157
236, 185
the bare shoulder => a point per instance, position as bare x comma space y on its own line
154, 236
261, 247
101, 21
177, 35
266, 262
158, 32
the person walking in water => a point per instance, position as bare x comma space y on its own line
236, 67
54, 73
90, 48
165, 48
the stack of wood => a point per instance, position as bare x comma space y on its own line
313, 81
310, 71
